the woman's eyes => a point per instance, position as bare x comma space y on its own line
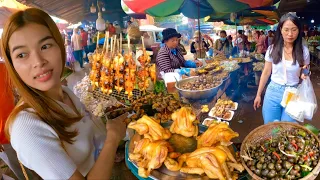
21, 55
46, 46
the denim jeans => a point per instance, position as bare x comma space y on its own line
272, 109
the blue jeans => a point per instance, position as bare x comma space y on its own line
78, 55
272, 109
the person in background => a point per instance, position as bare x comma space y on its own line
229, 38
118, 28
198, 48
240, 49
89, 42
269, 39
49, 128
222, 45
70, 58
181, 48
84, 37
243, 37
209, 42
148, 41
7, 153
111, 29
76, 44
260, 46
285, 59
170, 56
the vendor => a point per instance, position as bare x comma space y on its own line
170, 57
198, 49
222, 45
239, 50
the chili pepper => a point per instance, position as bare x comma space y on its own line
306, 158
311, 154
277, 155
264, 149
295, 145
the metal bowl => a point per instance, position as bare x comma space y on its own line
196, 95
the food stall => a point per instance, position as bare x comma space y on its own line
186, 134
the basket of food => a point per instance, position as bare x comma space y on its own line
199, 87
281, 150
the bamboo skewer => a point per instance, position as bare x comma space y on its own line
129, 47
107, 48
142, 39
97, 40
118, 46
120, 43
111, 50
105, 41
114, 49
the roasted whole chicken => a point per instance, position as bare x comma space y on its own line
149, 155
151, 129
215, 162
184, 122
216, 133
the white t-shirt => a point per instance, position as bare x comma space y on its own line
293, 71
39, 148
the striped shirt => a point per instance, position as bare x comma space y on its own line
168, 62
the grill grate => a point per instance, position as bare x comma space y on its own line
136, 94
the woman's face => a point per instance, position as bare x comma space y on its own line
223, 35
36, 56
289, 31
172, 42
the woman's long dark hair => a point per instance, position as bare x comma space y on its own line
278, 43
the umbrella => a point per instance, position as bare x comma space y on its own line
8, 7
189, 8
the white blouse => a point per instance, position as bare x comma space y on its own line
39, 148
293, 71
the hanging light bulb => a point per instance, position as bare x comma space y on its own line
100, 23
103, 9
93, 9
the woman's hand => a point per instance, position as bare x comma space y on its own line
257, 103
116, 128
198, 63
303, 75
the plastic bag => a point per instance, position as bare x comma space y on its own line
307, 98
294, 110
290, 94
305, 105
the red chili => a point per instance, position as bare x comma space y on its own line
276, 154
311, 153
306, 158
295, 145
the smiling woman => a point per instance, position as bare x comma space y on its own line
49, 128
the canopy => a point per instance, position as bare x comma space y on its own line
255, 16
8, 7
193, 8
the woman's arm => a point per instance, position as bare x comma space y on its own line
102, 169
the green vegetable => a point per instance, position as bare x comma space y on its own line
302, 133
312, 129
289, 170
159, 87
306, 167
304, 173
